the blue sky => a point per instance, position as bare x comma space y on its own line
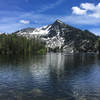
18, 14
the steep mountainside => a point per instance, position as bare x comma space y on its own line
60, 36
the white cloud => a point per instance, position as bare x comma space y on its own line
24, 21
78, 11
87, 6
88, 9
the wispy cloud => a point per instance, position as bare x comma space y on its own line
20, 20
81, 20
26, 0
95, 30
37, 20
8, 28
24, 21
50, 6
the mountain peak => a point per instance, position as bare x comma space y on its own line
58, 22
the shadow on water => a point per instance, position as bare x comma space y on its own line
50, 77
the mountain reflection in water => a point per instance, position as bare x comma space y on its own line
50, 77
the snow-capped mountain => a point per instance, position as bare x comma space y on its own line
33, 32
60, 35
49, 33
49, 30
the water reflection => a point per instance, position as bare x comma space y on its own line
50, 77
49, 63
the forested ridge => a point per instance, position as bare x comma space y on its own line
12, 44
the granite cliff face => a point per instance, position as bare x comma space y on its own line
60, 36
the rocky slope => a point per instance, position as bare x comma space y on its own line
60, 36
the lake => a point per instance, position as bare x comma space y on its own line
53, 76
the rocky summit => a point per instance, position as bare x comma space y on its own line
62, 37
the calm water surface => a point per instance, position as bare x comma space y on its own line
50, 77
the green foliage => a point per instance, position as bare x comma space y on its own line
98, 45
19, 45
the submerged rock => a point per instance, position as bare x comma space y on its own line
36, 92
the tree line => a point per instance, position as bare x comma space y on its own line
12, 44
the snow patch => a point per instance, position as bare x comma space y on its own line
38, 31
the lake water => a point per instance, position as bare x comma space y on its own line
50, 77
